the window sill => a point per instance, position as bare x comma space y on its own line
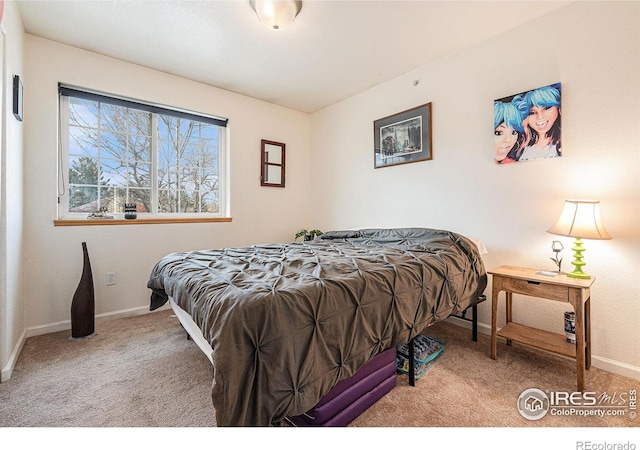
143, 221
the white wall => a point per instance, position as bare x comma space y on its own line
593, 48
53, 256
12, 314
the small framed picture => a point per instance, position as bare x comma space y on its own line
403, 138
18, 97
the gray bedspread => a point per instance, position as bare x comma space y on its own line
288, 321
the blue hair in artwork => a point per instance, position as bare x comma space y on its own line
544, 97
509, 114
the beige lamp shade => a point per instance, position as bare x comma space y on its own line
580, 219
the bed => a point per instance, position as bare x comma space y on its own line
284, 323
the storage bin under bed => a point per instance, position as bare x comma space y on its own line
427, 350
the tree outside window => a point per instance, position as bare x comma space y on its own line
162, 163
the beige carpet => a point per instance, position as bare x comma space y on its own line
143, 372
135, 372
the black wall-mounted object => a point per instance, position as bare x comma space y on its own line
18, 97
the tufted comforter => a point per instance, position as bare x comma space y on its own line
286, 322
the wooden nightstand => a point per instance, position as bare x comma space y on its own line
521, 280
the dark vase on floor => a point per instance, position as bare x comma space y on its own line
83, 304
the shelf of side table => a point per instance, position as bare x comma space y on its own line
545, 340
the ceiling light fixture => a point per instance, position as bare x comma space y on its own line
276, 14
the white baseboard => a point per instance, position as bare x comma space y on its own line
482, 327
610, 365
6, 372
66, 325
617, 367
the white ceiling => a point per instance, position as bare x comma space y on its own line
333, 50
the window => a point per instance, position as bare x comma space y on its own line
116, 151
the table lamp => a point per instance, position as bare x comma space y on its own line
580, 219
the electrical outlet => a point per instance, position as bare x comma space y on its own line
111, 278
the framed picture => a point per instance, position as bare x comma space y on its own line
526, 126
403, 138
18, 97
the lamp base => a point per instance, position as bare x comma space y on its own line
580, 275
577, 262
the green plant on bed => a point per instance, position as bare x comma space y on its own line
309, 235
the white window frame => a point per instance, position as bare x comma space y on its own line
63, 162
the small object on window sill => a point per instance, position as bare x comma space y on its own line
100, 214
130, 211
93, 216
